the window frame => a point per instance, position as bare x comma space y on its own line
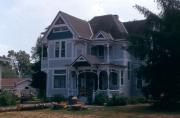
57, 48
60, 29
122, 77
61, 75
63, 49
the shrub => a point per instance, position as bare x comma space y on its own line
101, 99
137, 100
58, 98
7, 98
117, 100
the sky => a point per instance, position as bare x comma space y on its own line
22, 21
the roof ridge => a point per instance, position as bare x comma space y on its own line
73, 16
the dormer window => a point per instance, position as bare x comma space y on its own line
60, 29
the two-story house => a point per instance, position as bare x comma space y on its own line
82, 58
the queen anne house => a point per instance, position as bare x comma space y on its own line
83, 58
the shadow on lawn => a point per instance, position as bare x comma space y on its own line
142, 108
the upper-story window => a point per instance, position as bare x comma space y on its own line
98, 51
60, 29
44, 52
57, 49
60, 49
63, 49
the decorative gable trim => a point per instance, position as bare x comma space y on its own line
103, 36
81, 59
53, 24
100, 35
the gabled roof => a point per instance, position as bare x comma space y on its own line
104, 34
10, 83
81, 27
109, 24
87, 60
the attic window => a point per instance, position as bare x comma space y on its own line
60, 29
59, 21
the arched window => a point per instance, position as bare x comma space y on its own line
103, 80
113, 81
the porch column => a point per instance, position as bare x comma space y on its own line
108, 90
77, 90
108, 59
98, 80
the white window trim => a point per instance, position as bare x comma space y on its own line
57, 26
60, 74
60, 57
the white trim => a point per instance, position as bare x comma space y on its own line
60, 31
60, 49
53, 25
91, 31
59, 74
99, 33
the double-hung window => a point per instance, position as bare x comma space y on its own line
122, 77
63, 49
59, 78
60, 49
57, 49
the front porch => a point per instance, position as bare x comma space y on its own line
88, 78
89, 82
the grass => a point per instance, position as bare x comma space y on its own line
130, 111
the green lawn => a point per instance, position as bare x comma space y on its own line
130, 111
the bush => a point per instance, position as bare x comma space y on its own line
101, 99
137, 100
58, 98
117, 100
7, 98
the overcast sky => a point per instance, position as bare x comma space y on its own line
22, 21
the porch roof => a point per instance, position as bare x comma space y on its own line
86, 60
89, 60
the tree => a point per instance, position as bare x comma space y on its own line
38, 77
23, 60
159, 48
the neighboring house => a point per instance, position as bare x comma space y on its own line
82, 58
2, 61
15, 85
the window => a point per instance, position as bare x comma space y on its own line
59, 78
60, 29
63, 49
98, 51
129, 70
113, 78
44, 51
57, 49
122, 77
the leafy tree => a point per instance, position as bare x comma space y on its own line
23, 60
38, 77
159, 48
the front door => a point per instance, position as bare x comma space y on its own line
87, 83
